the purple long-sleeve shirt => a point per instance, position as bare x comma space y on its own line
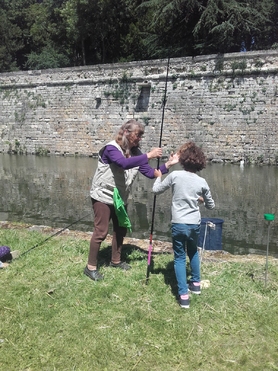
111, 154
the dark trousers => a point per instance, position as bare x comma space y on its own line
103, 214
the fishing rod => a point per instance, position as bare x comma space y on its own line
158, 160
55, 234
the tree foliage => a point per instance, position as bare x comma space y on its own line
37, 34
11, 41
230, 24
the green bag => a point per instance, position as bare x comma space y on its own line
120, 210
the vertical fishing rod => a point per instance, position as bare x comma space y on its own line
158, 160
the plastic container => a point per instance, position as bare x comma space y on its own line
269, 217
211, 231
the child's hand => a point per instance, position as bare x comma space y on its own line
200, 200
173, 160
157, 173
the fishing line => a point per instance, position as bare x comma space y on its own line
55, 234
158, 161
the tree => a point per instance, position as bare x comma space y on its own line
170, 26
10, 37
48, 57
225, 24
98, 29
44, 45
58, 33
190, 27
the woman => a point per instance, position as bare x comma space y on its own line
188, 190
118, 164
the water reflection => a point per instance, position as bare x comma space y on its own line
55, 191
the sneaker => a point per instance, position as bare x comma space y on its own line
184, 303
93, 274
194, 289
121, 265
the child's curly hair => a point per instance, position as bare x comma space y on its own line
191, 157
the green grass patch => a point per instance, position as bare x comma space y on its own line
53, 317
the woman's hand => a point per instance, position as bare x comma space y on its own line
173, 160
155, 153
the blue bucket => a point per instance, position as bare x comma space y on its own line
211, 232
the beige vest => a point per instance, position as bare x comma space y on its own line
109, 176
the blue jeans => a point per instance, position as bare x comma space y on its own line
185, 237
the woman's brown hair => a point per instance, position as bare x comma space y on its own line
122, 137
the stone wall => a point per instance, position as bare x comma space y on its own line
227, 104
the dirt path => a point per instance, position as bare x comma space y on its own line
158, 246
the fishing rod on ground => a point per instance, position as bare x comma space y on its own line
55, 234
154, 198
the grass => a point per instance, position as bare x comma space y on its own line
53, 317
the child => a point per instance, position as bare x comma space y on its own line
188, 190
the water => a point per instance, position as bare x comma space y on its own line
54, 191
